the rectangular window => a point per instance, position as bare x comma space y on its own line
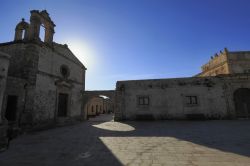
191, 100
143, 100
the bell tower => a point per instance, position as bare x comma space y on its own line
38, 19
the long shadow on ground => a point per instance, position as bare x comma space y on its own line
81, 144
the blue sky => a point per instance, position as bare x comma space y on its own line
138, 39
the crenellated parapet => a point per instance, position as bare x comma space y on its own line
216, 65
227, 62
216, 60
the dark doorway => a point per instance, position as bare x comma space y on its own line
242, 102
62, 105
11, 108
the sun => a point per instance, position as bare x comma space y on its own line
83, 51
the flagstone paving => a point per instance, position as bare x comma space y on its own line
101, 141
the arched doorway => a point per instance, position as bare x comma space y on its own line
242, 102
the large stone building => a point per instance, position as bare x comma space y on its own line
222, 90
45, 79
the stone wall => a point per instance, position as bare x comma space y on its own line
45, 79
239, 62
40, 66
23, 61
217, 65
227, 63
17, 87
4, 64
213, 97
50, 83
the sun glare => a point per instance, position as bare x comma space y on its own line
84, 52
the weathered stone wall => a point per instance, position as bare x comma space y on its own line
4, 64
223, 68
16, 51
218, 64
16, 87
23, 61
227, 63
50, 61
49, 66
239, 62
23, 68
215, 61
40, 65
40, 73
167, 97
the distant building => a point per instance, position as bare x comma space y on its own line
98, 102
227, 62
221, 91
96, 106
45, 79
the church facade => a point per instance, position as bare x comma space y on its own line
45, 80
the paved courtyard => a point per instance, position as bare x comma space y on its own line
102, 142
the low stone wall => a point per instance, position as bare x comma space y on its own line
180, 98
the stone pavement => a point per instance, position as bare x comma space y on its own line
156, 143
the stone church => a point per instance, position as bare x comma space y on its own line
220, 91
44, 80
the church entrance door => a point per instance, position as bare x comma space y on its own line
62, 105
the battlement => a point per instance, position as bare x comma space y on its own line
216, 60
227, 62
